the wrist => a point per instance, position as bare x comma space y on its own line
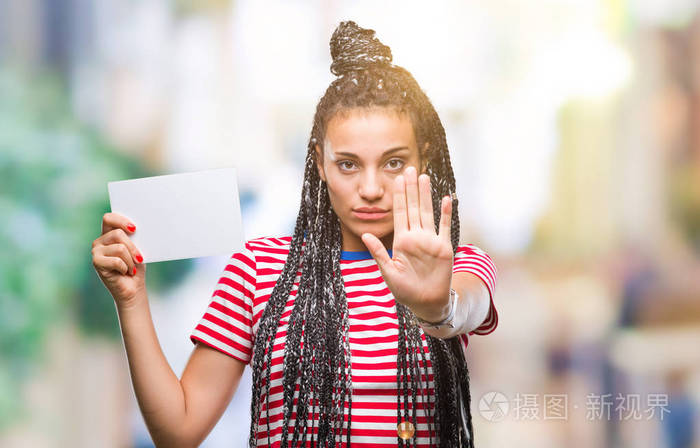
445, 318
436, 313
136, 301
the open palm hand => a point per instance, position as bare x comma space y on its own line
420, 272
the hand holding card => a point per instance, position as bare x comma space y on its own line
180, 216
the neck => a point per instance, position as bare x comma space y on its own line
346, 246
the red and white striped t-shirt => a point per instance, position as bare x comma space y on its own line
232, 319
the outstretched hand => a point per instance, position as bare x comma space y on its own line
420, 272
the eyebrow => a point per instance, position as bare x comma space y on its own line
387, 152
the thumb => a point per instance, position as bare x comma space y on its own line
378, 251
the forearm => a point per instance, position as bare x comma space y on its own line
158, 390
471, 306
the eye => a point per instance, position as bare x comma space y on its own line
395, 164
346, 165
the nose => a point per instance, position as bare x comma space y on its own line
371, 186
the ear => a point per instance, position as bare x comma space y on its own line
319, 162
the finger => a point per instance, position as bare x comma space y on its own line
400, 217
412, 198
378, 251
111, 221
118, 236
426, 203
106, 263
446, 218
120, 251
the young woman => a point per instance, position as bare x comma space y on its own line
355, 326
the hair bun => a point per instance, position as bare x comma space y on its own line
356, 48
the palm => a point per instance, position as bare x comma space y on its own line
420, 271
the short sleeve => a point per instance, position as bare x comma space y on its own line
227, 322
470, 258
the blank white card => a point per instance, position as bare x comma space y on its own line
181, 216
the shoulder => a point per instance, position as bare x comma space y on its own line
471, 255
267, 242
471, 249
268, 248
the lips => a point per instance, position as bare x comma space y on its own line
370, 210
370, 213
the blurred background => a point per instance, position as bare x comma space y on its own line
574, 131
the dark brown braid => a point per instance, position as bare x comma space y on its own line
316, 350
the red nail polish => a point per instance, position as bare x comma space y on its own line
139, 258
134, 270
131, 227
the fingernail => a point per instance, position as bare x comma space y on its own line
134, 270
131, 227
139, 258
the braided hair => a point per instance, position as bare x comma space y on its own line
317, 376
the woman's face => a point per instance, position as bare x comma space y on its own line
364, 150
